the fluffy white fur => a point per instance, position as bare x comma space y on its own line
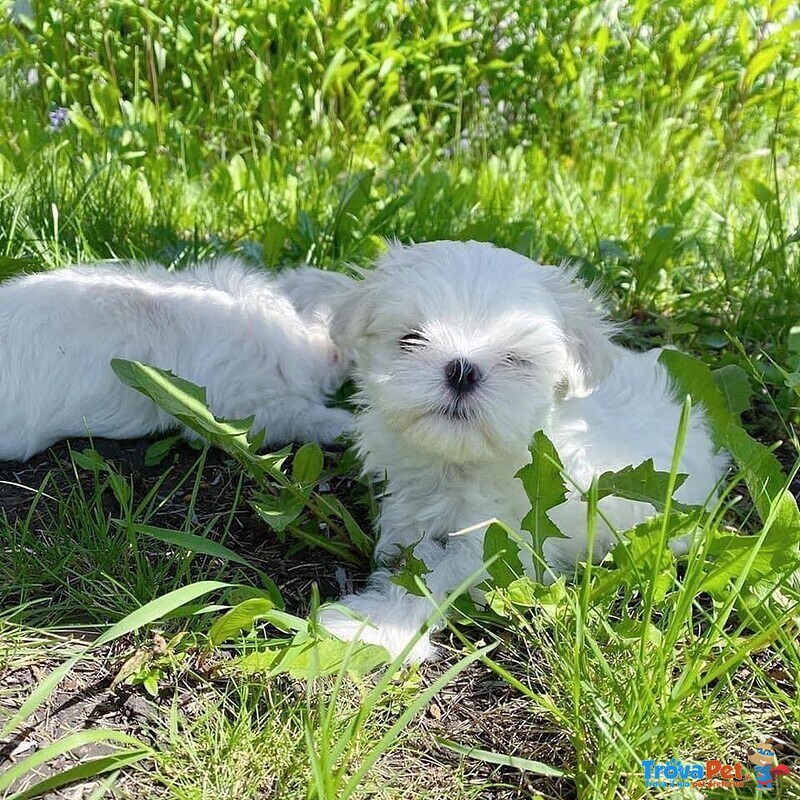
259, 344
544, 361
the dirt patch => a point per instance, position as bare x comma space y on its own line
86, 699
479, 710
293, 569
82, 701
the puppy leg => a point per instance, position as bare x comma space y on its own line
325, 425
387, 615
396, 535
293, 418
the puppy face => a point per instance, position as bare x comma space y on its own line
461, 348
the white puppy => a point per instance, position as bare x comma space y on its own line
463, 351
231, 329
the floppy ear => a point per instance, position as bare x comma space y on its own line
353, 312
587, 331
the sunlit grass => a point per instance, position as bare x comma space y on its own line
655, 145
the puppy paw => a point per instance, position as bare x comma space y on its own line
331, 423
378, 620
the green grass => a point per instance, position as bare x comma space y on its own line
95, 558
654, 144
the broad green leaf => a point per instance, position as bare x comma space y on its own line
611, 250
388, 64
642, 553
258, 663
765, 479
239, 173
186, 402
194, 610
733, 383
694, 378
792, 381
238, 619
501, 553
90, 460
763, 474
657, 251
354, 197
156, 609
498, 64
760, 62
238, 594
524, 593
279, 511
159, 450
630, 630
758, 562
545, 488
80, 121
105, 99
762, 193
643, 483
410, 569
714, 341
332, 70
133, 664
270, 463
398, 116
307, 659
681, 328
286, 622
328, 656
308, 463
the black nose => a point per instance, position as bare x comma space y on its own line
462, 375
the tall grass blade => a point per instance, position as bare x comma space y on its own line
65, 745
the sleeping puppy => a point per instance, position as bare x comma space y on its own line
259, 344
464, 351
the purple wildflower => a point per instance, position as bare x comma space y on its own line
58, 119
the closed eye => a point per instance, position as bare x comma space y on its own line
517, 362
413, 340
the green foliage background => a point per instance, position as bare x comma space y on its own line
655, 143
567, 78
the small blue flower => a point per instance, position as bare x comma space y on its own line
58, 119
